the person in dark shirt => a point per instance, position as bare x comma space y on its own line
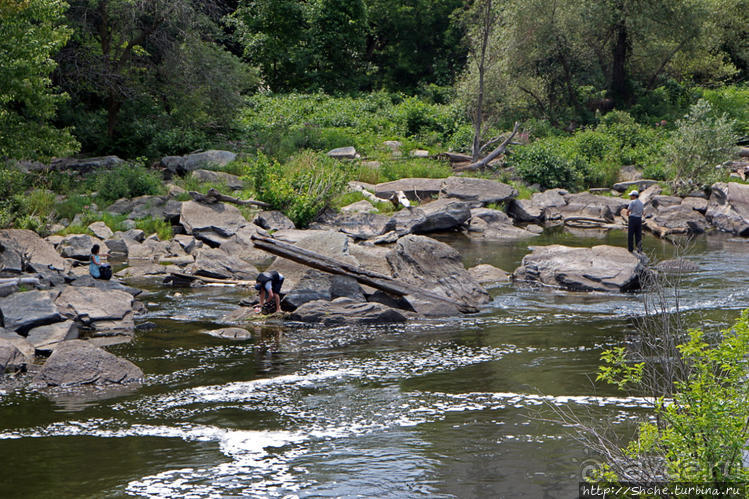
634, 221
268, 284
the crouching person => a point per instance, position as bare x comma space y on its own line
97, 269
268, 284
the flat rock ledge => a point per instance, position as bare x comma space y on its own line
77, 363
600, 268
346, 311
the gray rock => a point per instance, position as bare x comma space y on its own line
488, 275
491, 216
78, 246
432, 265
416, 189
600, 268
231, 181
86, 165
343, 153
117, 247
728, 208
207, 159
77, 362
136, 235
393, 145
480, 229
21, 343
11, 358
23, 311
46, 338
88, 281
477, 191
443, 215
678, 219
211, 222
101, 230
419, 153
346, 311
273, 220
218, 264
660, 201
231, 333
356, 225
677, 265
589, 205
144, 206
362, 206
523, 210
314, 285
552, 198
639, 184
89, 305
38, 253
188, 243
697, 204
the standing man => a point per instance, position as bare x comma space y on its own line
634, 219
269, 285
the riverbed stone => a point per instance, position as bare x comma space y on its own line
77, 362
676, 219
478, 191
213, 223
11, 358
346, 311
362, 206
207, 159
273, 220
489, 275
356, 225
728, 208
231, 333
100, 230
589, 205
660, 201
218, 264
442, 215
46, 338
523, 210
23, 311
415, 189
435, 266
78, 246
480, 229
89, 305
600, 268
19, 245
697, 204
639, 185
348, 152
231, 181
86, 165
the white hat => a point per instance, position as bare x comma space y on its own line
634, 193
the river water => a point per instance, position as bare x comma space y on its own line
451, 408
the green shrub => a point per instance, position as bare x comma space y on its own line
160, 227
414, 167
701, 142
540, 163
127, 181
733, 101
73, 205
656, 171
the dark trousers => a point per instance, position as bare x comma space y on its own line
634, 234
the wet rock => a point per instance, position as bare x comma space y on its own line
273, 220
207, 159
231, 333
242, 314
639, 185
11, 358
21, 245
477, 191
86, 165
78, 246
442, 215
589, 205
416, 189
343, 153
600, 268
46, 338
23, 311
77, 362
100, 230
488, 275
231, 181
212, 223
218, 264
523, 210
362, 206
346, 311
432, 265
676, 219
728, 208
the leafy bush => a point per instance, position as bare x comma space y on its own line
414, 167
160, 227
698, 146
127, 181
539, 163
732, 101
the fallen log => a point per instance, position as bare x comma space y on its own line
213, 196
367, 277
494, 154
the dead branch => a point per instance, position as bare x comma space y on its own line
494, 154
213, 196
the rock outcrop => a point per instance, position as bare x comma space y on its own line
77, 362
346, 311
728, 208
600, 268
19, 246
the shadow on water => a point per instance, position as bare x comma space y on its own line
453, 408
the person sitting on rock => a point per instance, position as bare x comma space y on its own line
97, 269
634, 222
268, 284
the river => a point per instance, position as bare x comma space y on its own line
449, 408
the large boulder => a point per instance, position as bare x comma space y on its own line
100, 230
478, 191
218, 264
159, 207
436, 267
26, 245
523, 210
343, 311
91, 305
23, 311
639, 184
356, 225
212, 223
316, 285
600, 268
416, 189
207, 159
348, 152
46, 338
589, 205
77, 362
273, 220
11, 358
86, 165
728, 209
488, 275
442, 215
493, 225
678, 219
231, 181
78, 246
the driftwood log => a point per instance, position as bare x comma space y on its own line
482, 163
332, 266
214, 196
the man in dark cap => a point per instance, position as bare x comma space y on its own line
634, 222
